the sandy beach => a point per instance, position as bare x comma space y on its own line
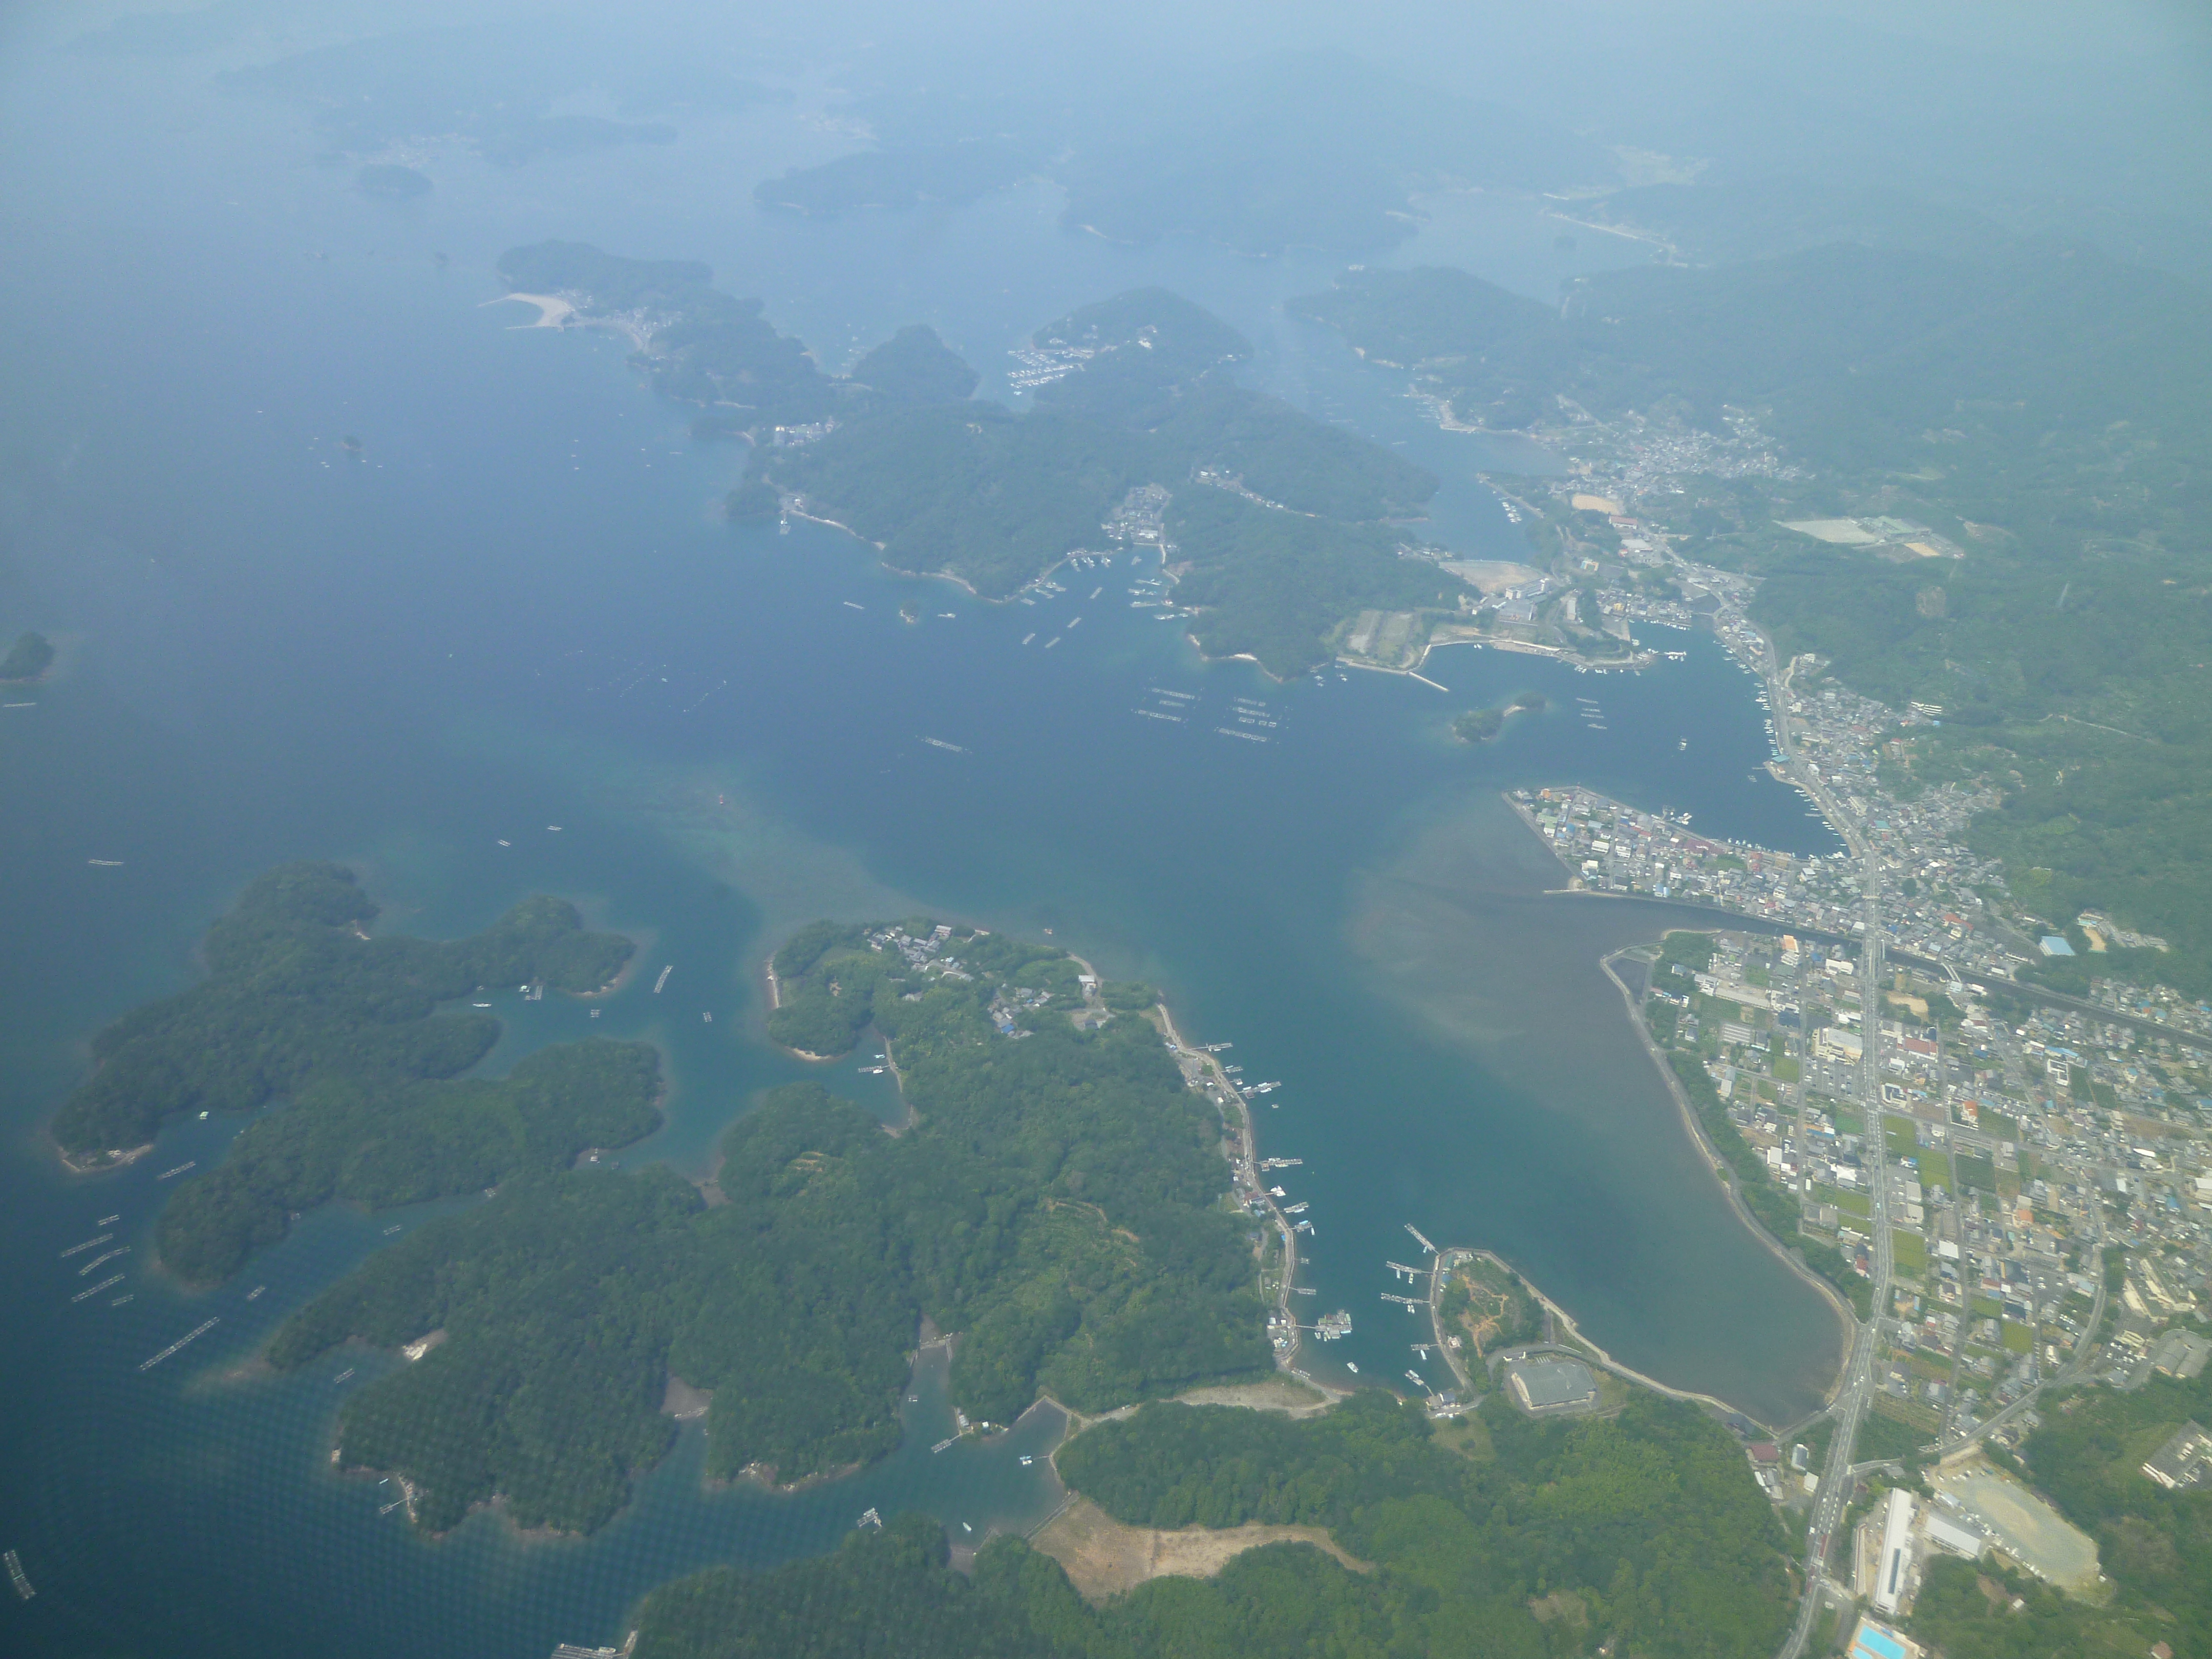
553, 312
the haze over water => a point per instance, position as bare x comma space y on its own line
519, 610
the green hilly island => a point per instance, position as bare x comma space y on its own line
1281, 527
1056, 1200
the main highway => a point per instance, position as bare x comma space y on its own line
1855, 1388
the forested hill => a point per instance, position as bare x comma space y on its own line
1279, 518
899, 452
297, 993
1858, 357
1642, 1535
1057, 1201
2040, 408
707, 347
1285, 150
2154, 1545
301, 1007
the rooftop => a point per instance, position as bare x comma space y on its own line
1548, 1384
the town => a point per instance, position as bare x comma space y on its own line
2010, 1186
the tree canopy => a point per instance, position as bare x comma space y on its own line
1643, 1534
1055, 1202
298, 992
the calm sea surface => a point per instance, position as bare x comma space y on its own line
517, 610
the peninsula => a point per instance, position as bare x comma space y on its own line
1056, 1200
1639, 1528
1277, 530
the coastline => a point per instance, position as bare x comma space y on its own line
82, 1165
561, 315
1847, 1320
1247, 1180
639, 944
1574, 1339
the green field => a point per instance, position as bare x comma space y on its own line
1897, 1133
1856, 1204
2018, 1338
1910, 1253
1904, 1424
1935, 1170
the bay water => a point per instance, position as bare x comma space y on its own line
517, 609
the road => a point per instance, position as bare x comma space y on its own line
1857, 1387
1228, 1096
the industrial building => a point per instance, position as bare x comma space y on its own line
2184, 1462
1552, 1384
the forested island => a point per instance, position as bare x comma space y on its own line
1275, 522
1055, 1201
390, 181
1640, 1533
2036, 405
1288, 150
466, 83
1280, 526
952, 175
301, 1006
1485, 724
28, 658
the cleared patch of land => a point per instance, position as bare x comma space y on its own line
1277, 1394
1103, 1557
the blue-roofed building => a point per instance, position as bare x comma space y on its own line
2052, 945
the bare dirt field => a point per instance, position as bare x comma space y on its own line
1103, 1557
1278, 1394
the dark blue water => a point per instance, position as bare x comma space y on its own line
517, 610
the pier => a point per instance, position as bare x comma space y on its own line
1223, 1091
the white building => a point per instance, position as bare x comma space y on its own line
1894, 1566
